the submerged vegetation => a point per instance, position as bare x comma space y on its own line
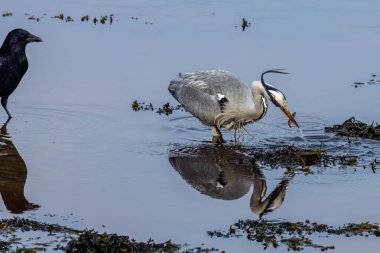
270, 233
297, 159
79, 241
91, 241
293, 235
355, 128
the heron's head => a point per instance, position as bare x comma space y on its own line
276, 96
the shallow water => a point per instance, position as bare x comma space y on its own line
75, 146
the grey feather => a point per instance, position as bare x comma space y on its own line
198, 93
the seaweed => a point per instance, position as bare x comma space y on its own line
293, 235
7, 14
371, 81
73, 240
356, 128
292, 156
245, 24
92, 241
165, 109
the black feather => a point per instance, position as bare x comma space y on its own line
222, 102
13, 62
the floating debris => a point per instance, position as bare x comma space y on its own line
33, 17
293, 235
7, 14
166, 108
355, 128
103, 19
69, 19
60, 16
245, 24
371, 81
84, 18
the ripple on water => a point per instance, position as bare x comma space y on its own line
312, 130
63, 120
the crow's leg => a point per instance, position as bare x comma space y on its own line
4, 101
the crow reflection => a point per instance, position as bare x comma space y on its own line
13, 173
224, 173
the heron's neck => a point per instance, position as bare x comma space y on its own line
258, 92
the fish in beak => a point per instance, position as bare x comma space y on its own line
291, 117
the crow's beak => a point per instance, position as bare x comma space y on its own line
33, 38
290, 116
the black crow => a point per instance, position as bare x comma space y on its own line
13, 62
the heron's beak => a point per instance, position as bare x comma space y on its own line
33, 38
291, 117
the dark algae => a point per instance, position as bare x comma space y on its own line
165, 109
91, 241
294, 236
79, 241
356, 128
371, 81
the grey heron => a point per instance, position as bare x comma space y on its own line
220, 99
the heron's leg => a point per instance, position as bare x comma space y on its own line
4, 101
216, 135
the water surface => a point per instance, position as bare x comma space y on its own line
75, 146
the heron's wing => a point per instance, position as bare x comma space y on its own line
214, 82
205, 93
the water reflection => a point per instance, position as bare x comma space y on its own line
13, 174
225, 173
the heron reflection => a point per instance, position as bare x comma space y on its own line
224, 173
13, 174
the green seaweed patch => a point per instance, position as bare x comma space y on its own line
293, 235
356, 128
165, 109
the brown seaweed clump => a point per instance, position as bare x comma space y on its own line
165, 109
91, 241
293, 235
371, 81
7, 14
245, 24
79, 241
292, 156
355, 128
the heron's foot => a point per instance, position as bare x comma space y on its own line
216, 135
217, 140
